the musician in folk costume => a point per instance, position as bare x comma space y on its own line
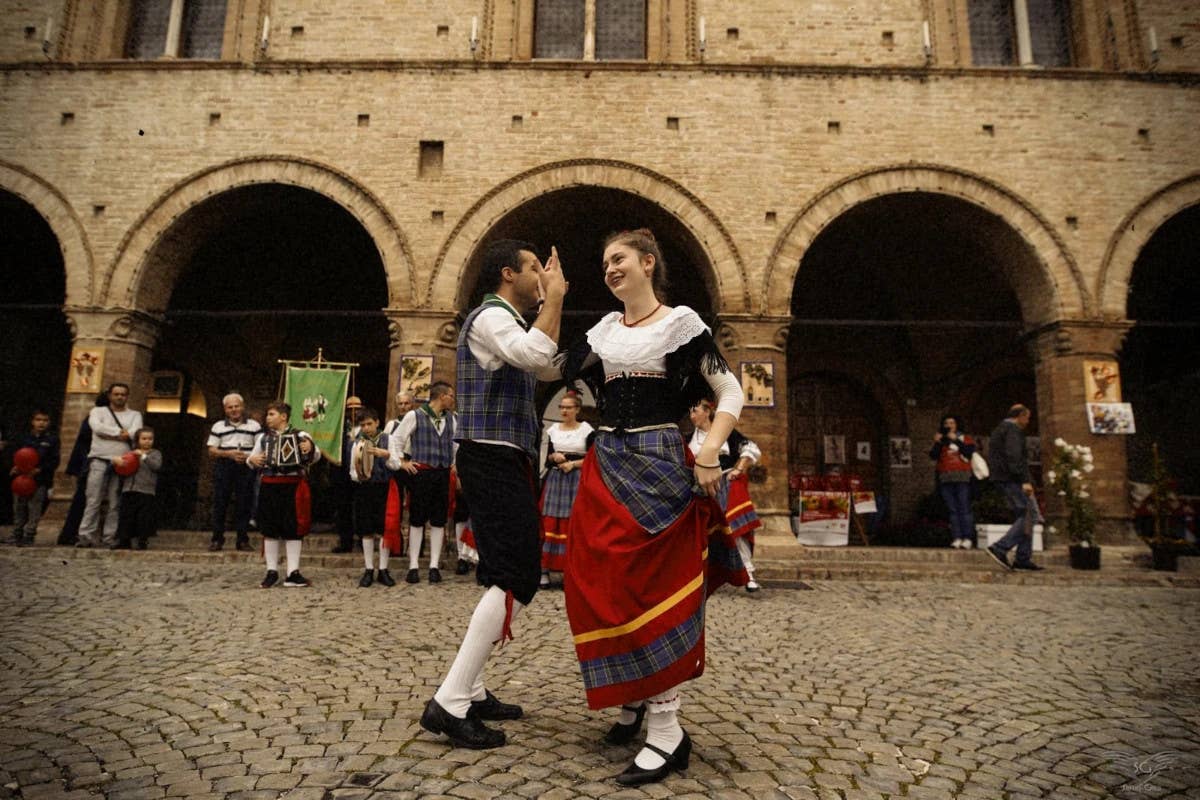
424, 447
566, 444
647, 543
229, 445
283, 454
499, 360
373, 491
737, 455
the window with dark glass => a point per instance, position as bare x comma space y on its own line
620, 29
1050, 32
148, 21
203, 29
1000, 37
200, 31
558, 29
993, 32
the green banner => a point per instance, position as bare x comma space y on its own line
318, 401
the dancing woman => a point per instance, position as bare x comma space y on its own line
646, 546
566, 444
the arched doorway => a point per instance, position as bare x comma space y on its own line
904, 307
265, 272
576, 221
37, 341
1160, 361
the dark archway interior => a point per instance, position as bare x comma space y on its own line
1160, 361
576, 221
912, 294
270, 272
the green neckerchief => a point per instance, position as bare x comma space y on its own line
374, 440
428, 409
491, 299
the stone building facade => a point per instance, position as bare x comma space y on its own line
899, 208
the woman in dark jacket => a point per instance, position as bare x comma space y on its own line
952, 450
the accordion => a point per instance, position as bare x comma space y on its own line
283, 451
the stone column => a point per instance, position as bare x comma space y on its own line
760, 339
128, 339
1059, 351
423, 333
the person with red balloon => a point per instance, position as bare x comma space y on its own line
111, 439
138, 519
34, 463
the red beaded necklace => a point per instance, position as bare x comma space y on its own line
637, 322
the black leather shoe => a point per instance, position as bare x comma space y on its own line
623, 734
470, 732
385, 578
1028, 566
999, 557
491, 708
412, 577
435, 575
215, 546
463, 567
368, 577
678, 761
270, 580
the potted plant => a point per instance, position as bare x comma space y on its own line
1067, 477
1165, 537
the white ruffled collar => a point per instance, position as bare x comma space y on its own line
610, 339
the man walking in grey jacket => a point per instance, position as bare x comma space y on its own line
1010, 472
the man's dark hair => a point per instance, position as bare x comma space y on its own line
39, 412
1017, 410
112, 386
500, 254
368, 413
282, 407
438, 389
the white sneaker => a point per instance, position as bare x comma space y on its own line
957, 543
967, 544
752, 586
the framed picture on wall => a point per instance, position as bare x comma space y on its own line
1106, 418
1102, 381
416, 375
900, 452
86, 374
758, 383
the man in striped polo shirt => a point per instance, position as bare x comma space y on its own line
229, 445
500, 357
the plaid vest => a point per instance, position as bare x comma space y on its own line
497, 405
428, 447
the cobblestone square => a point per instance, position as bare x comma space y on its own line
148, 679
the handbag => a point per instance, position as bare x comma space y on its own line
979, 466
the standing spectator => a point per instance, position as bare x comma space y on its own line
566, 444
138, 517
27, 511
229, 445
1009, 471
77, 468
340, 484
952, 450
424, 447
111, 437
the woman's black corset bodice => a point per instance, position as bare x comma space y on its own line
637, 403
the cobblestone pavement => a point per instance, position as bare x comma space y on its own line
147, 679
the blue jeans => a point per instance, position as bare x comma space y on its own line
1020, 535
957, 496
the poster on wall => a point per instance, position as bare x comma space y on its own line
862, 451
758, 383
835, 449
1106, 418
900, 452
86, 375
416, 376
1102, 381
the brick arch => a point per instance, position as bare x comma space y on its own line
1044, 295
727, 279
68, 230
1116, 270
134, 281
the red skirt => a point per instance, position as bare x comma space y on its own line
554, 543
635, 601
740, 515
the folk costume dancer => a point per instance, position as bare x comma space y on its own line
283, 455
646, 548
566, 444
229, 445
499, 359
375, 497
738, 454
424, 447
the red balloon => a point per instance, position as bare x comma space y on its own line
24, 486
26, 459
127, 464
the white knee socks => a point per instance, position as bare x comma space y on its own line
743, 548
293, 555
464, 681
271, 554
368, 552
383, 555
415, 535
662, 729
437, 536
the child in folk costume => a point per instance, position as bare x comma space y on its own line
138, 517
648, 542
566, 444
737, 455
283, 454
424, 447
375, 497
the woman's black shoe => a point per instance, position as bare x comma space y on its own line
490, 708
385, 578
469, 732
368, 577
636, 776
623, 734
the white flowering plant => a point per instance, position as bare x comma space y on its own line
1068, 478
